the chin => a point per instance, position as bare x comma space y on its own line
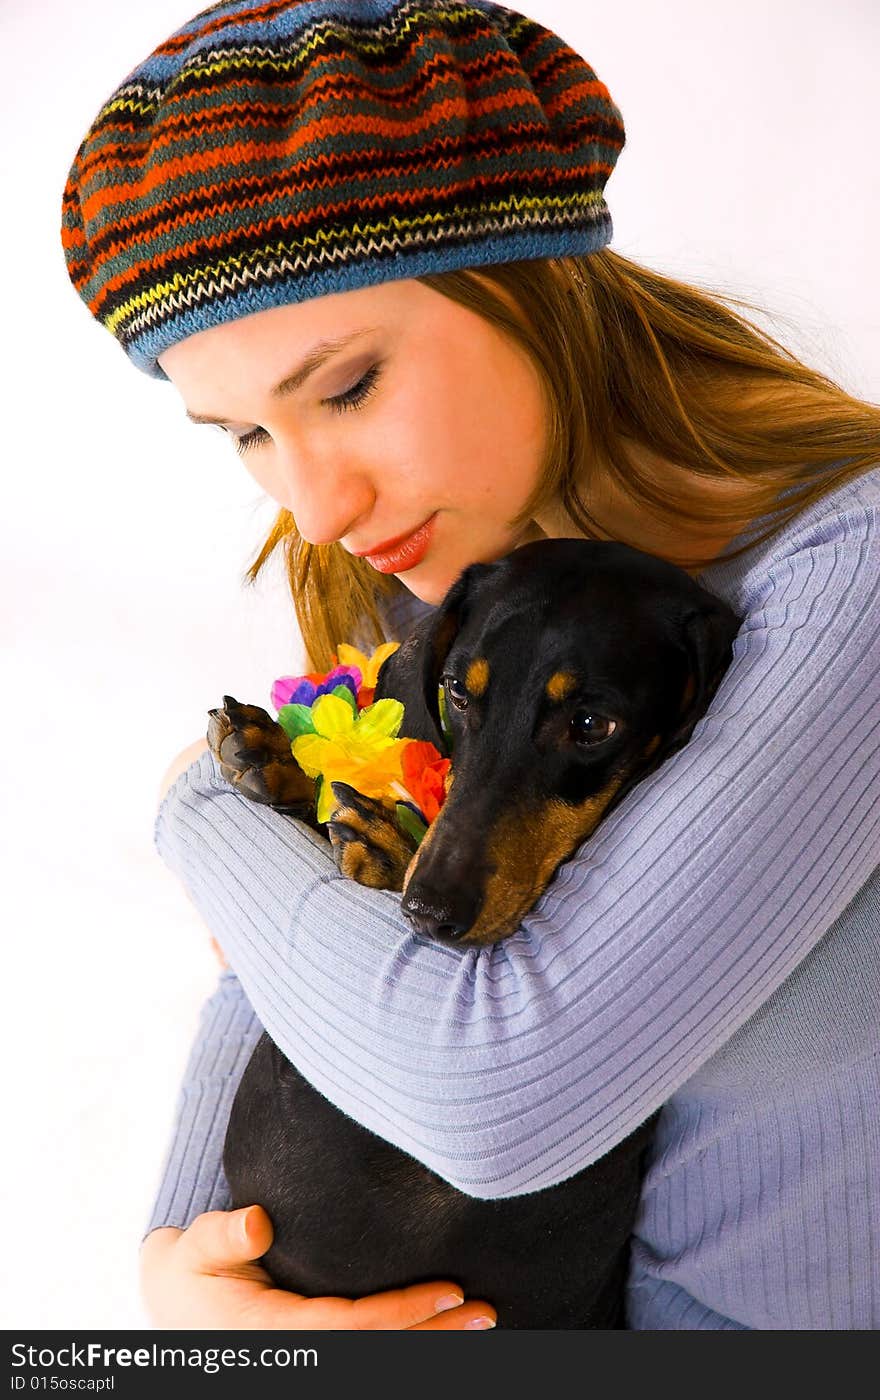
429, 585
427, 592
430, 581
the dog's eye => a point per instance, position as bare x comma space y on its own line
587, 728
456, 692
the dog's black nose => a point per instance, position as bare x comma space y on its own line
445, 893
439, 916
434, 927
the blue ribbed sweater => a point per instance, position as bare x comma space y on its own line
712, 948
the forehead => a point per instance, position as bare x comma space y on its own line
251, 352
554, 642
553, 659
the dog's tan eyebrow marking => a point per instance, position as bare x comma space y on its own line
477, 676
560, 684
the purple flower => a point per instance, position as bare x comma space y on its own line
304, 690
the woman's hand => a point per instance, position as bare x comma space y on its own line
206, 1277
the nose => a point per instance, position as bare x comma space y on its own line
446, 890
436, 915
327, 498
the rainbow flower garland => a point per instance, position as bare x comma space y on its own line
338, 733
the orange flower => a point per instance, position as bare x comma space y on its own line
424, 776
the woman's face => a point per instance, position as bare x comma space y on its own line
418, 411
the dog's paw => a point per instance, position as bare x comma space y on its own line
368, 844
253, 752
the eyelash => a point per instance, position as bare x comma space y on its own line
353, 398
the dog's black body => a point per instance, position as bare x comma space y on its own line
354, 1215
573, 670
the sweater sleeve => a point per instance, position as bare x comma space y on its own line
192, 1179
508, 1069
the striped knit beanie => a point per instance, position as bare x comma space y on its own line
272, 152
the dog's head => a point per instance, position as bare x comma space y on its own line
571, 669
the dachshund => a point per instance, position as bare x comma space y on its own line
571, 670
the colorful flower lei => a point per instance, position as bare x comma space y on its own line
338, 733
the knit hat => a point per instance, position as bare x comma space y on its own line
271, 152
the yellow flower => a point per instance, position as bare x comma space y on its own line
368, 666
362, 750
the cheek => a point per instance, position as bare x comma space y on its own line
471, 423
419, 424
440, 419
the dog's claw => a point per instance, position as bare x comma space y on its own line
339, 832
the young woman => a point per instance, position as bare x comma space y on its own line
370, 242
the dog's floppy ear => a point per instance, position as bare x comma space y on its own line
412, 674
706, 637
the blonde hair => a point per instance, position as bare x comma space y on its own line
624, 353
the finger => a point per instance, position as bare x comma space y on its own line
476, 1317
220, 1240
402, 1308
395, 1311
275, 1309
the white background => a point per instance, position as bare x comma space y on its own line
750, 166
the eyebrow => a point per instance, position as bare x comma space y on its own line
317, 356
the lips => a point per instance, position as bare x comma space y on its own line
396, 556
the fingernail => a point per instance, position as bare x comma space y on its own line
449, 1300
243, 1227
479, 1324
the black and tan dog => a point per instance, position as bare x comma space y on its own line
571, 670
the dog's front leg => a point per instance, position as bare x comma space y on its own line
368, 844
254, 754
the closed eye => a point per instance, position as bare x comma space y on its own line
357, 394
352, 398
248, 440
